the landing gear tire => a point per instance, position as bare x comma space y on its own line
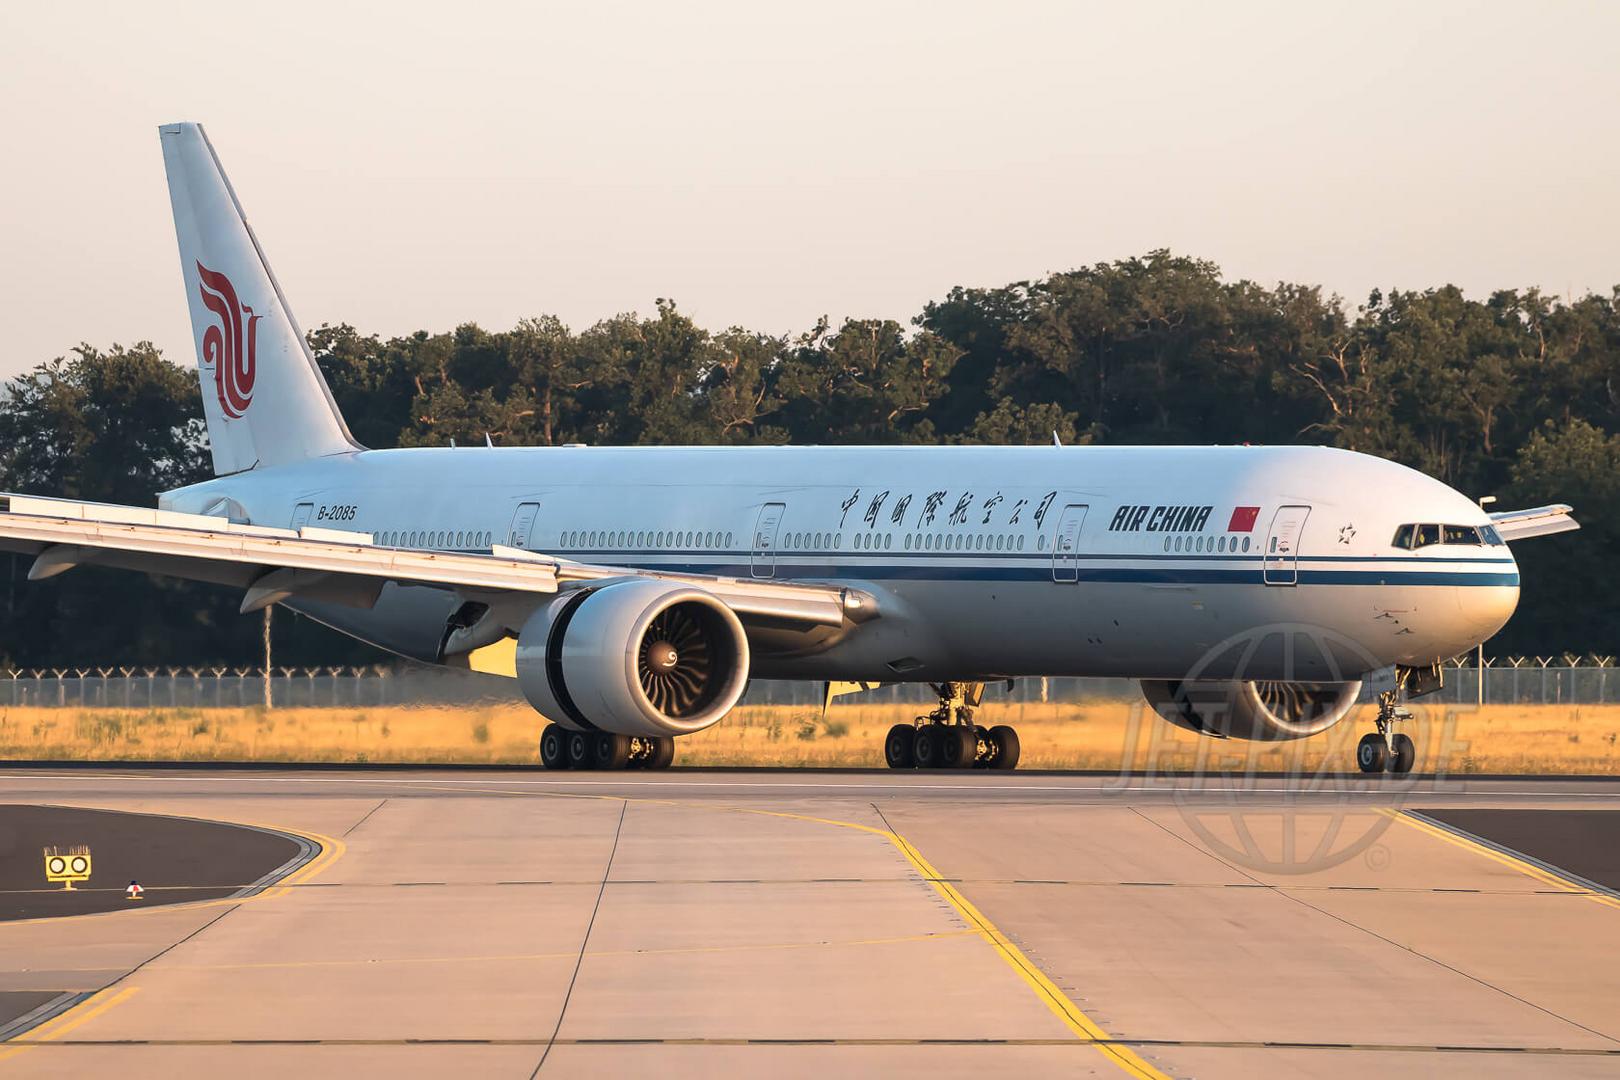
900, 747
610, 751
947, 738
663, 754
961, 747
579, 750
985, 747
1388, 750
1007, 748
554, 747
1372, 753
926, 748
1405, 755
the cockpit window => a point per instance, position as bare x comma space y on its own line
1412, 537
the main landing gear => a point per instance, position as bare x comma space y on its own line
564, 749
1387, 750
947, 738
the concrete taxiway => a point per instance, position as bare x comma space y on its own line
795, 924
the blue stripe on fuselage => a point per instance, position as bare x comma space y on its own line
790, 568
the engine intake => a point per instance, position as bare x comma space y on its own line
1252, 709
638, 657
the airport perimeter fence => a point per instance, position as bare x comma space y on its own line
1510, 680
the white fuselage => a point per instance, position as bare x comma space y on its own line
1149, 562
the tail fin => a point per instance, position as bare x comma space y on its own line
265, 399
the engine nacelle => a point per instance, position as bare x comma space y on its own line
1250, 709
635, 657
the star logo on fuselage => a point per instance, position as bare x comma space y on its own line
1346, 533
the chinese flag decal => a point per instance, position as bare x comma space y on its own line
1243, 519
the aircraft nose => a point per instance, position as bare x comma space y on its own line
1485, 609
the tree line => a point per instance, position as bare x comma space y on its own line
1513, 395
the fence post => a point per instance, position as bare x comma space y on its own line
1603, 664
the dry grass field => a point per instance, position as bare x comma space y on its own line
1107, 735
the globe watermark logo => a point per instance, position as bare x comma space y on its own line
1256, 747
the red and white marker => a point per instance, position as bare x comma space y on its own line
134, 891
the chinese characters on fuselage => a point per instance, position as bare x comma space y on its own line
966, 507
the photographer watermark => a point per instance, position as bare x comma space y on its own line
1261, 746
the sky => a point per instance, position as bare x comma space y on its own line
420, 165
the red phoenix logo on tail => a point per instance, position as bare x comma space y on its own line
225, 345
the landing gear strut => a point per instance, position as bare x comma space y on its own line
564, 749
1387, 750
947, 738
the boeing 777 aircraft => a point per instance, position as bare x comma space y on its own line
632, 592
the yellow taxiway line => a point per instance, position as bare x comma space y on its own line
59, 1025
331, 849
1504, 858
1051, 995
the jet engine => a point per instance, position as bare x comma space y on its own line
1252, 709
633, 657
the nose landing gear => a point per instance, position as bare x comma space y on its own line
1387, 750
947, 738
564, 749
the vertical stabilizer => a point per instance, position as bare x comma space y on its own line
265, 399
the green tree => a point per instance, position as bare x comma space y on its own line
1566, 599
870, 382
114, 426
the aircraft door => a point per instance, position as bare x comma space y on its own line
1280, 564
1066, 544
762, 556
301, 514
522, 534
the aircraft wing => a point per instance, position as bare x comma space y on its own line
272, 565
1540, 521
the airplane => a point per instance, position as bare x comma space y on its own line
632, 592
